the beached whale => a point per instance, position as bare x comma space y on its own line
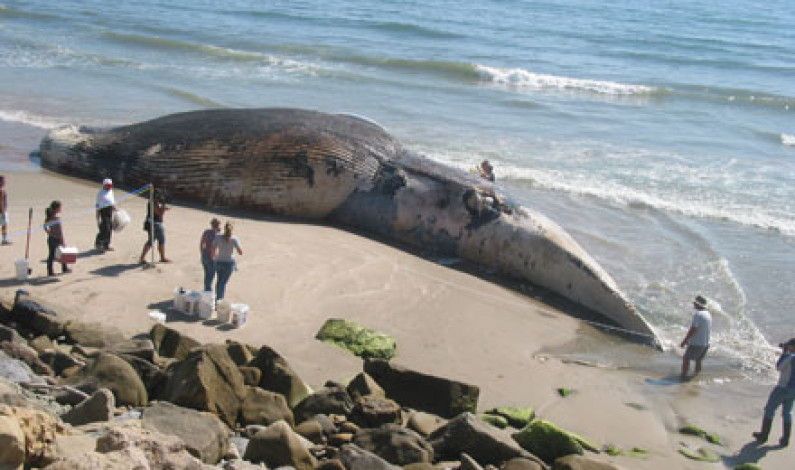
348, 171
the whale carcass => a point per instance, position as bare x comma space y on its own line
348, 171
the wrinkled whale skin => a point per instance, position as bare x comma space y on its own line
348, 171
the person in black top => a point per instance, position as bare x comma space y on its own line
55, 238
159, 233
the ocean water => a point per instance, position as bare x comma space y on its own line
661, 135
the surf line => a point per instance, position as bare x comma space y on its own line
40, 228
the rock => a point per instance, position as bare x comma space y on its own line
355, 458
11, 335
361, 341
278, 445
111, 372
312, 430
239, 352
468, 463
148, 449
444, 397
341, 438
42, 344
521, 464
12, 442
204, 435
67, 395
486, 444
578, 462
153, 377
425, 423
332, 464
251, 375
93, 335
38, 428
207, 380
17, 371
419, 466
35, 316
373, 411
363, 385
28, 355
494, 420
60, 361
547, 441
395, 444
72, 446
325, 401
517, 417
264, 407
278, 376
98, 407
169, 342
239, 443
242, 465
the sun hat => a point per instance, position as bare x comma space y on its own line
107, 182
788, 344
700, 302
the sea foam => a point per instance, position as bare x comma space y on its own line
521, 78
30, 119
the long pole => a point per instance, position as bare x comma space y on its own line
27, 243
152, 220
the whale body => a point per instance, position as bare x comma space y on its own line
348, 171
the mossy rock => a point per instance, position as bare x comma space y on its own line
495, 420
361, 341
702, 455
635, 452
564, 392
694, 430
748, 466
517, 416
547, 441
585, 443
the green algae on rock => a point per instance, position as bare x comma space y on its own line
361, 341
702, 455
517, 416
693, 430
547, 441
495, 420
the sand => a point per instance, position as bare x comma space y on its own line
295, 275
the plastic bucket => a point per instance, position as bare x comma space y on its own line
239, 315
206, 306
179, 299
224, 310
192, 300
22, 269
119, 220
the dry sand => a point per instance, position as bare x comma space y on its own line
296, 275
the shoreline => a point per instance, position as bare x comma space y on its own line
445, 321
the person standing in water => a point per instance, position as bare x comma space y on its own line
55, 238
206, 251
224, 247
697, 337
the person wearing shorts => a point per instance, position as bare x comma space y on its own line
159, 233
697, 337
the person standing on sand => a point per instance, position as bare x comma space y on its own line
106, 204
697, 337
224, 247
55, 238
783, 394
159, 233
206, 251
4, 209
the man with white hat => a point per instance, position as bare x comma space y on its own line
697, 337
106, 204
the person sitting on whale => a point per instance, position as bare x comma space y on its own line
485, 170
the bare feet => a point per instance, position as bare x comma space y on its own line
165, 260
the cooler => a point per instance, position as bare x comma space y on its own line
66, 254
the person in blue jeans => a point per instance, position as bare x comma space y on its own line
782, 395
224, 247
206, 250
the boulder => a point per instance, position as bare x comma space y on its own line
42, 344
39, 430
412, 389
12, 442
98, 407
521, 464
10, 335
425, 423
37, 317
547, 441
278, 376
28, 355
239, 352
147, 449
311, 430
356, 458
326, 401
373, 411
67, 395
494, 420
277, 446
395, 444
361, 341
60, 361
332, 464
111, 372
264, 407
17, 371
517, 416
486, 444
578, 462
468, 463
153, 377
204, 435
363, 385
95, 335
207, 380
169, 342
251, 375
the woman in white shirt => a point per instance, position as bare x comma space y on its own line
224, 247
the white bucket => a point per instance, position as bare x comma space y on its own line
192, 300
179, 299
158, 316
22, 269
206, 305
239, 315
119, 220
223, 310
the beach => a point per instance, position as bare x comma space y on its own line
446, 322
